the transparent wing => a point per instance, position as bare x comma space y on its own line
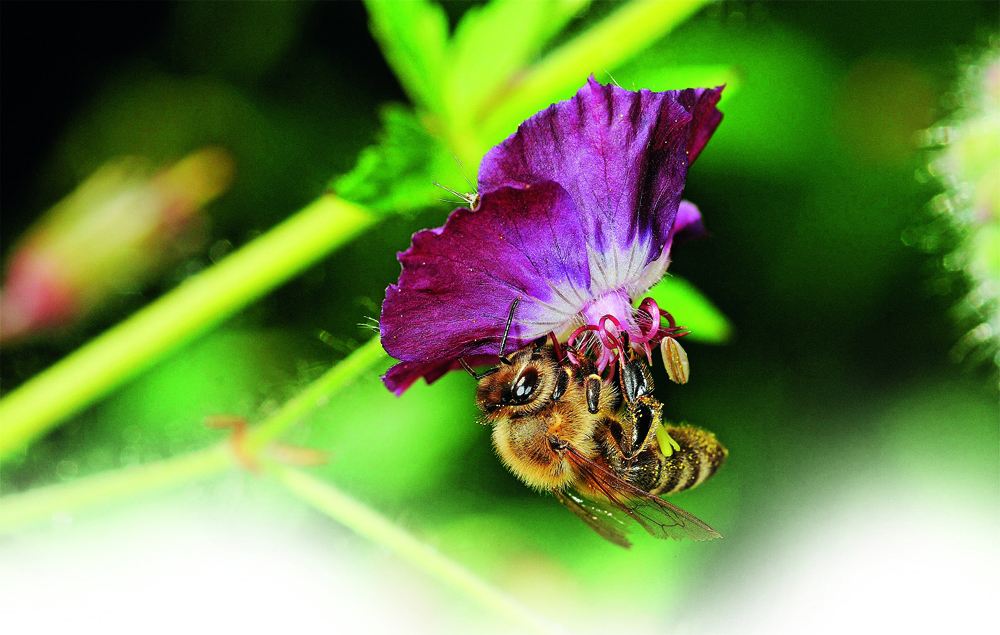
660, 518
597, 518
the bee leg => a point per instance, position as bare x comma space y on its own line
621, 440
593, 393
636, 381
644, 417
592, 384
562, 383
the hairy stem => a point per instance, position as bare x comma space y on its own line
44, 503
316, 395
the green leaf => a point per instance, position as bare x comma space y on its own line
603, 47
691, 309
524, 28
397, 173
414, 39
649, 72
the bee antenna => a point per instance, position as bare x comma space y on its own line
475, 375
503, 343
506, 330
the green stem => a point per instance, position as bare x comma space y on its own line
601, 48
199, 303
42, 503
378, 529
316, 395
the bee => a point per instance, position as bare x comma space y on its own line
559, 427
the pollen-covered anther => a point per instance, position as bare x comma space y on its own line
676, 360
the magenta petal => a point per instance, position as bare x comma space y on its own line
705, 117
458, 282
688, 225
622, 156
404, 374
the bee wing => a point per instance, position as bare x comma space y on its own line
660, 518
597, 517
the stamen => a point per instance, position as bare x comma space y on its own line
647, 309
675, 360
616, 343
557, 349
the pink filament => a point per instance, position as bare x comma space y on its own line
610, 341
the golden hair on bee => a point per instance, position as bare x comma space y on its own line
538, 407
603, 452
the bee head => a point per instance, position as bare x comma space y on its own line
522, 387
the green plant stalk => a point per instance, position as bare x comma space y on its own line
33, 506
41, 504
316, 395
378, 529
617, 38
19, 510
199, 303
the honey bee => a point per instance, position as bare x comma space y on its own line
559, 427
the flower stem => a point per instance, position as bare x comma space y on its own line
199, 303
45, 502
315, 395
42, 503
378, 529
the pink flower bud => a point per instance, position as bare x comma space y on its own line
114, 233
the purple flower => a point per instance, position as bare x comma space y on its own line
578, 210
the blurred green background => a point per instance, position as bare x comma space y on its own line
859, 454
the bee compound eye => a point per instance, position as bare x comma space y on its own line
523, 389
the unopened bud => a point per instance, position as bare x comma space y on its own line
114, 233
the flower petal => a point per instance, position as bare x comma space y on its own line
459, 282
403, 375
622, 156
705, 117
687, 226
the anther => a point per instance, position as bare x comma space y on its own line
676, 360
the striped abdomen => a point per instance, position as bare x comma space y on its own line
668, 468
